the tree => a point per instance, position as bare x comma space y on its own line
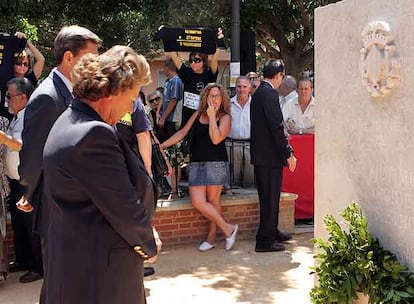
284, 30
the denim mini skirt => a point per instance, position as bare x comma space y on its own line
209, 173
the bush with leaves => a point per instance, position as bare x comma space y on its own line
352, 261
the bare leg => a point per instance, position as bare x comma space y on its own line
198, 196
213, 197
175, 178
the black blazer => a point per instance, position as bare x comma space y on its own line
101, 206
268, 143
45, 105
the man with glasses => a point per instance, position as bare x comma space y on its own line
27, 248
270, 152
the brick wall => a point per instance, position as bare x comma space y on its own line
179, 223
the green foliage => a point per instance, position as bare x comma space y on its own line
352, 261
29, 29
284, 28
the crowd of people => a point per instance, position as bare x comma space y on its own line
77, 159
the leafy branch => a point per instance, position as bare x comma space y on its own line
352, 261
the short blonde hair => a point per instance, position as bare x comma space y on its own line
117, 70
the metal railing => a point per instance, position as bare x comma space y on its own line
241, 171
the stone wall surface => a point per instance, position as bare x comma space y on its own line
365, 146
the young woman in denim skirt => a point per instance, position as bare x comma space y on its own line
209, 167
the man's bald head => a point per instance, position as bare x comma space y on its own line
288, 85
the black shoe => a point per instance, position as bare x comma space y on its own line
30, 277
15, 267
283, 237
148, 271
275, 247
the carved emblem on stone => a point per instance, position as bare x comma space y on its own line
379, 66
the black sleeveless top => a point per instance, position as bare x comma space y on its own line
202, 148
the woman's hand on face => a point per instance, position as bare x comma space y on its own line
211, 110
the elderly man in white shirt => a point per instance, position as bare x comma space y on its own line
298, 114
287, 90
240, 132
26, 244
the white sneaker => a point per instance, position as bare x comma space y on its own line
230, 241
206, 246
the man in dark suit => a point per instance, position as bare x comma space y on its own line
46, 104
270, 152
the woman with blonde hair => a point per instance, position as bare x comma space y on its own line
209, 167
101, 198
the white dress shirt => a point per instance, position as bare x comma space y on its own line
285, 99
12, 157
294, 117
240, 119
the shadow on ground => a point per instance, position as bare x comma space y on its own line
239, 276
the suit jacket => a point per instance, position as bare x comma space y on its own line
45, 105
268, 143
101, 205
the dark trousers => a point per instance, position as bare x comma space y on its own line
43, 290
27, 248
268, 183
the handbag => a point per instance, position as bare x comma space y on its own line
185, 147
159, 163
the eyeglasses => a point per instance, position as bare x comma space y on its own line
10, 97
154, 99
195, 60
214, 96
25, 64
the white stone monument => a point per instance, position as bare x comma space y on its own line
364, 67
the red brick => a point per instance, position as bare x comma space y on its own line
200, 224
167, 227
186, 219
185, 225
164, 214
188, 212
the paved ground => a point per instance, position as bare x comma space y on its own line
184, 276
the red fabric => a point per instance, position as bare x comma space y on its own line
301, 181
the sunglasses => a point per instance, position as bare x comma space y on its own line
195, 60
25, 64
154, 99
8, 96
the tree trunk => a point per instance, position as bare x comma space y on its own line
292, 64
